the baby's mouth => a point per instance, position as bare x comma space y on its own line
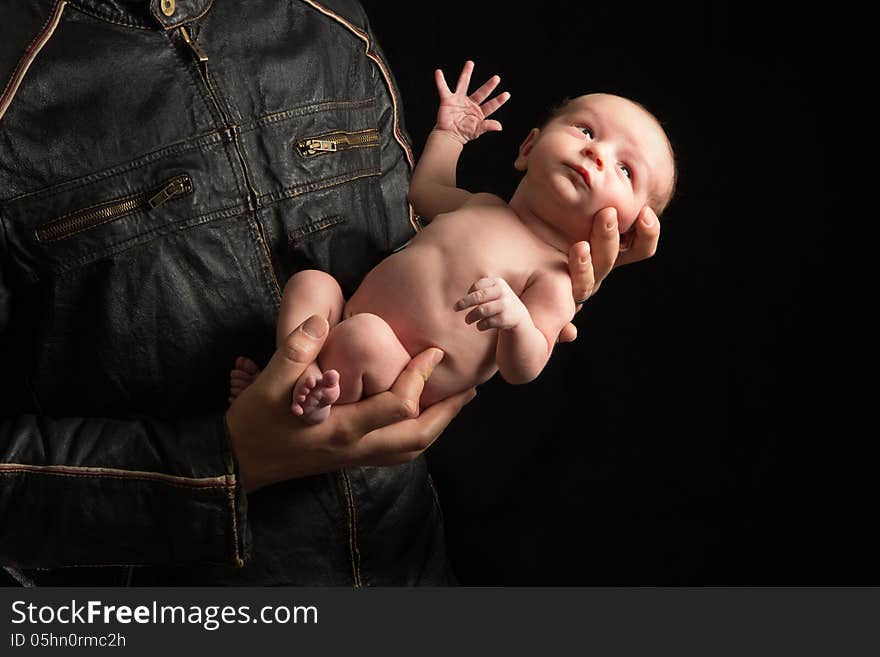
584, 174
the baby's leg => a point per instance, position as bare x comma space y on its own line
366, 353
307, 293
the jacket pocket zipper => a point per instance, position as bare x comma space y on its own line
338, 141
100, 214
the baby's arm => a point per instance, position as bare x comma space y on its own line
460, 118
528, 326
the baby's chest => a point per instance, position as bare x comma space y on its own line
489, 249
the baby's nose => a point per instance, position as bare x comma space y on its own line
594, 155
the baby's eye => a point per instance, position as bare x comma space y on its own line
626, 171
586, 130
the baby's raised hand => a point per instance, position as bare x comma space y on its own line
464, 116
494, 305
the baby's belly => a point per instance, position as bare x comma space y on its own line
414, 292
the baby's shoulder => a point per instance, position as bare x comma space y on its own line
481, 211
484, 199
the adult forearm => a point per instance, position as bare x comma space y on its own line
93, 491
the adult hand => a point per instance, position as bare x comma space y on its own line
590, 262
272, 445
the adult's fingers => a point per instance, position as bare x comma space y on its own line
299, 349
604, 244
404, 441
580, 268
399, 403
568, 333
647, 236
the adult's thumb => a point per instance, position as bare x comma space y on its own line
299, 349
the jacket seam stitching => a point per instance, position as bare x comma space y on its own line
386, 75
30, 55
306, 231
304, 110
195, 80
85, 11
371, 54
148, 236
230, 499
294, 192
4, 237
211, 139
354, 553
205, 483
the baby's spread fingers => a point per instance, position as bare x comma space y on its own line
491, 106
442, 88
486, 90
464, 80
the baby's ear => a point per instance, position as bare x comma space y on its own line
522, 160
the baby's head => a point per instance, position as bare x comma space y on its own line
597, 151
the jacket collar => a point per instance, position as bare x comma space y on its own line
164, 14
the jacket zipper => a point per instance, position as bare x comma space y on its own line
338, 141
100, 214
229, 128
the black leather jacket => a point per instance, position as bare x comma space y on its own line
159, 182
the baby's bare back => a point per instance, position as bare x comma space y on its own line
415, 290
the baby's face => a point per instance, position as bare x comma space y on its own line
600, 151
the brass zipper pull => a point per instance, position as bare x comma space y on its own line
311, 146
196, 48
181, 185
96, 215
338, 141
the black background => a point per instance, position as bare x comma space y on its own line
700, 431
671, 443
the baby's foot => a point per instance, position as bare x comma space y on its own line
242, 375
314, 393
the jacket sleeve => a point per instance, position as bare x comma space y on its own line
397, 156
112, 492
97, 491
